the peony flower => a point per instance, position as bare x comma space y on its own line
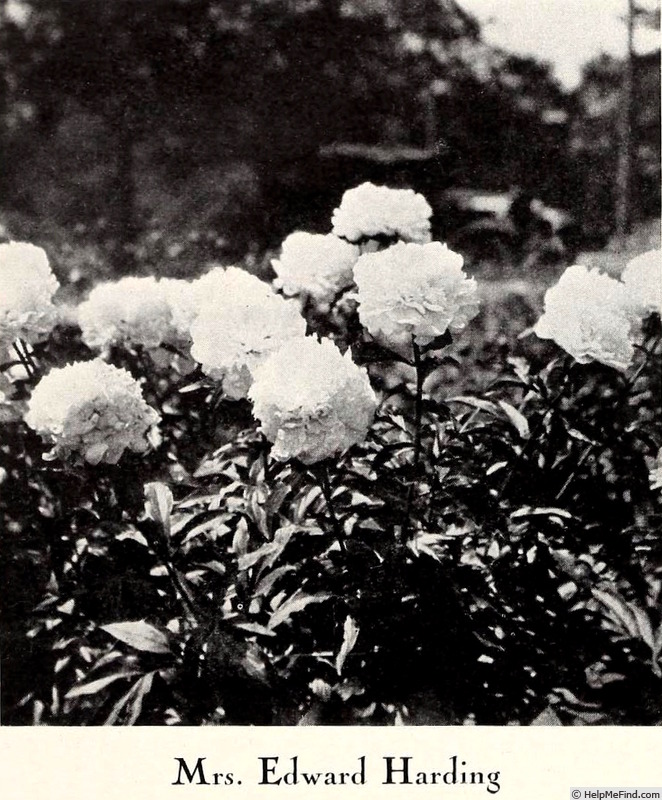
413, 290
312, 402
183, 302
234, 334
368, 211
642, 277
229, 284
586, 314
655, 474
131, 311
27, 286
91, 408
186, 298
315, 266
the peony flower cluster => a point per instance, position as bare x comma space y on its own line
586, 313
312, 402
94, 409
413, 290
643, 283
27, 286
236, 330
368, 211
315, 266
131, 311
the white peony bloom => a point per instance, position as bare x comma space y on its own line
315, 265
368, 211
27, 286
131, 311
228, 285
234, 334
91, 408
643, 283
655, 474
186, 298
312, 402
414, 290
183, 302
586, 314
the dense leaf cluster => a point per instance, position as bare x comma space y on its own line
490, 554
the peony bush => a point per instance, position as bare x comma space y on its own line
345, 496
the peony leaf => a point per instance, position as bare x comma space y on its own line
429, 543
194, 387
267, 582
269, 552
96, 686
438, 343
350, 635
517, 419
254, 627
477, 403
619, 612
528, 511
547, 717
575, 434
241, 538
387, 452
133, 699
631, 618
293, 605
304, 501
158, 505
142, 689
140, 635
321, 689
644, 625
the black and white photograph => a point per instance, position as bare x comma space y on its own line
331, 370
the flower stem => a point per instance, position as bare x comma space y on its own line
418, 407
22, 356
28, 356
630, 382
587, 452
418, 418
325, 483
186, 596
264, 452
160, 548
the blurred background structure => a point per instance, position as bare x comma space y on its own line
160, 136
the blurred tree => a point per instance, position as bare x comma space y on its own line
200, 98
120, 61
268, 81
594, 141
